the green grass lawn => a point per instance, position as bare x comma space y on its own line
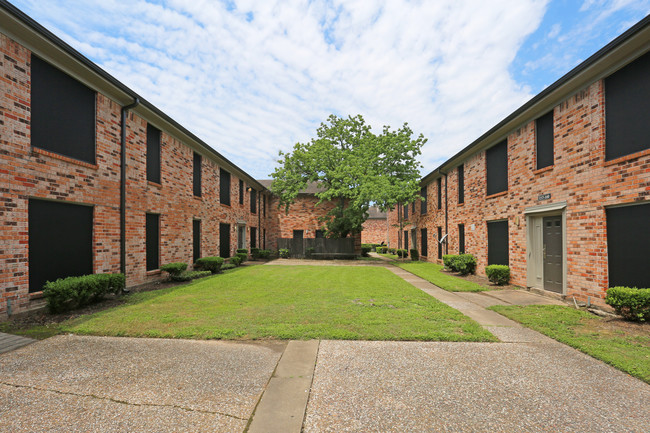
390, 256
625, 350
432, 273
287, 302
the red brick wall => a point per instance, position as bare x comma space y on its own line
27, 172
580, 176
375, 231
303, 214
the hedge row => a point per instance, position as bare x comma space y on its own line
74, 292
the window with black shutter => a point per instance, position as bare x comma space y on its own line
224, 187
461, 238
253, 237
264, 205
406, 239
60, 241
153, 154
196, 238
152, 235
498, 243
320, 234
197, 174
439, 188
241, 192
461, 184
423, 198
424, 243
439, 243
253, 201
544, 140
406, 211
628, 239
224, 240
62, 113
496, 159
627, 104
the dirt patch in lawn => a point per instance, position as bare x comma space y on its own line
616, 326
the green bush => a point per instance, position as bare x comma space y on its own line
73, 292
415, 256
242, 250
365, 250
227, 266
255, 253
498, 274
402, 253
190, 275
264, 254
212, 264
284, 253
242, 256
465, 264
630, 302
448, 260
174, 268
392, 250
235, 260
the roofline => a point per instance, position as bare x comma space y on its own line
631, 44
123, 95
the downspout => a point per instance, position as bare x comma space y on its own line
126, 108
446, 216
259, 220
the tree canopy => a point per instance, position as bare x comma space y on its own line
353, 168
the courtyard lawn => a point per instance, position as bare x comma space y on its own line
388, 255
627, 349
432, 273
287, 302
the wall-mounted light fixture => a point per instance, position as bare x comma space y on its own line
249, 189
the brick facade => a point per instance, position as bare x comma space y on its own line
29, 172
375, 231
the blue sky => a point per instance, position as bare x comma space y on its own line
253, 77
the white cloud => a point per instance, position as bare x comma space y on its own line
252, 87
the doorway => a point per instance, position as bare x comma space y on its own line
241, 236
546, 247
552, 253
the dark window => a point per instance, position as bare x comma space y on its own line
406, 239
62, 113
461, 184
60, 241
224, 240
197, 174
153, 241
153, 154
224, 187
496, 159
196, 236
413, 208
627, 104
439, 243
423, 241
544, 140
628, 238
320, 234
498, 243
439, 188
298, 234
253, 237
253, 201
406, 211
264, 238
461, 238
241, 192
423, 198
264, 204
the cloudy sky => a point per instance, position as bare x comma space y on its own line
253, 77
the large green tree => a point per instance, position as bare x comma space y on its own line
354, 168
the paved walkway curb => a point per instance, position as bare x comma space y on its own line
283, 404
10, 342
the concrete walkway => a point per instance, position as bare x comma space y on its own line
9, 342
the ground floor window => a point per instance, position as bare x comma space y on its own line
628, 245
461, 238
440, 243
153, 241
224, 240
196, 239
425, 247
298, 234
406, 239
498, 243
60, 241
253, 237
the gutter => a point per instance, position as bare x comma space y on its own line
126, 108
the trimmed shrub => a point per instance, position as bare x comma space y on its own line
243, 256
242, 250
212, 264
190, 275
227, 266
630, 302
365, 250
73, 292
415, 255
284, 253
255, 253
448, 260
498, 274
235, 260
466, 264
402, 253
392, 250
174, 268
264, 254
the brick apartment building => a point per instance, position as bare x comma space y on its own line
96, 179
375, 229
559, 190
